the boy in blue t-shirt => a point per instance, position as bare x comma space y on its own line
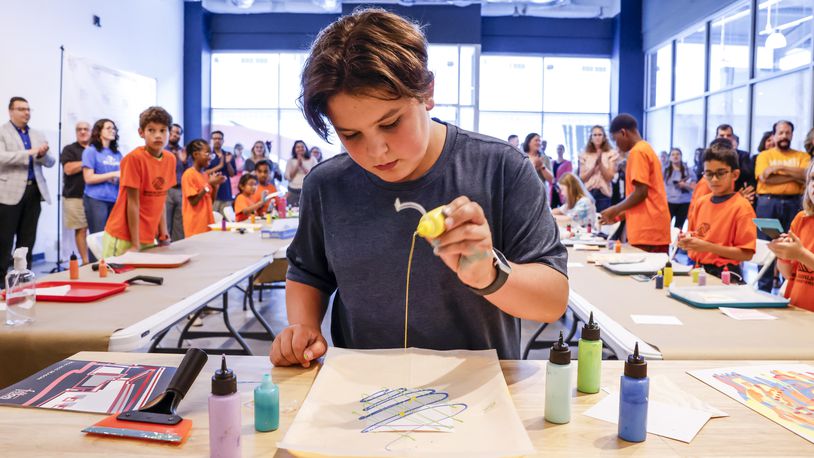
499, 259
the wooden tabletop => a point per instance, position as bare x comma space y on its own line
40, 432
704, 334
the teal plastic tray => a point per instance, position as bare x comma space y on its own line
736, 296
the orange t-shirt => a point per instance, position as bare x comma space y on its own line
649, 222
197, 218
241, 202
259, 195
152, 177
800, 290
701, 189
728, 223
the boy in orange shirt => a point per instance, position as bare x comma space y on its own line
263, 171
722, 233
645, 207
139, 216
198, 189
245, 203
795, 250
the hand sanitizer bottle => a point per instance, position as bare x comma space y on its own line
21, 293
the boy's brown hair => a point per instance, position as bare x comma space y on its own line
371, 52
157, 115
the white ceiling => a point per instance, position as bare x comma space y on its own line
538, 8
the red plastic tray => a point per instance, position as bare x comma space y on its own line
81, 291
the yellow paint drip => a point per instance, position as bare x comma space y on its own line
407, 289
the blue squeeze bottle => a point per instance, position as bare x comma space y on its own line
634, 398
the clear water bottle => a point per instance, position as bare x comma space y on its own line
21, 293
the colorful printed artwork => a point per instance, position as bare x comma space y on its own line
89, 386
782, 393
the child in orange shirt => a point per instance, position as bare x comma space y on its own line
245, 204
645, 207
795, 250
722, 233
198, 189
139, 217
264, 186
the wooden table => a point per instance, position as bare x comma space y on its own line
131, 320
705, 333
39, 432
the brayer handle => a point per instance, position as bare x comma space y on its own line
188, 371
146, 279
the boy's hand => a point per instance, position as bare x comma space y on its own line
466, 245
609, 215
787, 246
298, 344
689, 242
748, 192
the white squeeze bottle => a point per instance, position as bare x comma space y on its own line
21, 294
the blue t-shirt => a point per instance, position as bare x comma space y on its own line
225, 189
101, 162
351, 240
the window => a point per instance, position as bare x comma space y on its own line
511, 83
573, 85
570, 130
787, 98
731, 108
502, 124
729, 48
453, 67
688, 126
660, 74
658, 129
783, 35
254, 97
690, 65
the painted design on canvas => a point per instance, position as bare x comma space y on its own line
412, 410
783, 393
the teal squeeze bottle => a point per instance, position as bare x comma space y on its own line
558, 384
634, 396
266, 405
589, 358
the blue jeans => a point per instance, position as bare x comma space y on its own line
96, 212
783, 208
602, 201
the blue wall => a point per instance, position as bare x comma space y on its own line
197, 65
574, 37
662, 19
627, 62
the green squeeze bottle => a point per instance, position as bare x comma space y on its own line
589, 357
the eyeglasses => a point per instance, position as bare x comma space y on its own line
709, 174
23, 109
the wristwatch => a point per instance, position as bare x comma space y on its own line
206, 189
503, 271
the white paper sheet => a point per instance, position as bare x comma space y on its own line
132, 258
669, 320
675, 422
572, 265
746, 314
456, 403
54, 291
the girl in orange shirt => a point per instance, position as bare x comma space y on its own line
245, 203
795, 250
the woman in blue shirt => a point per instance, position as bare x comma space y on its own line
679, 184
100, 168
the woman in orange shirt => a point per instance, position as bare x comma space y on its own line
795, 250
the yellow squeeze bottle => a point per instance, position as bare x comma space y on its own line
431, 225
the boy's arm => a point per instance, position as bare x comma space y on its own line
132, 216
729, 252
302, 341
163, 233
638, 196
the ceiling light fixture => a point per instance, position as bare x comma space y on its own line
776, 39
244, 4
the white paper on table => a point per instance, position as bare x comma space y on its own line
132, 258
675, 422
477, 418
54, 290
575, 264
583, 247
669, 320
746, 314
664, 390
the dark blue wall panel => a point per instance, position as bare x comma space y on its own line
256, 32
581, 37
627, 62
197, 65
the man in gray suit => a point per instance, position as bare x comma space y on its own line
23, 152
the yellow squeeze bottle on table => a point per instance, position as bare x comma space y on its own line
431, 225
